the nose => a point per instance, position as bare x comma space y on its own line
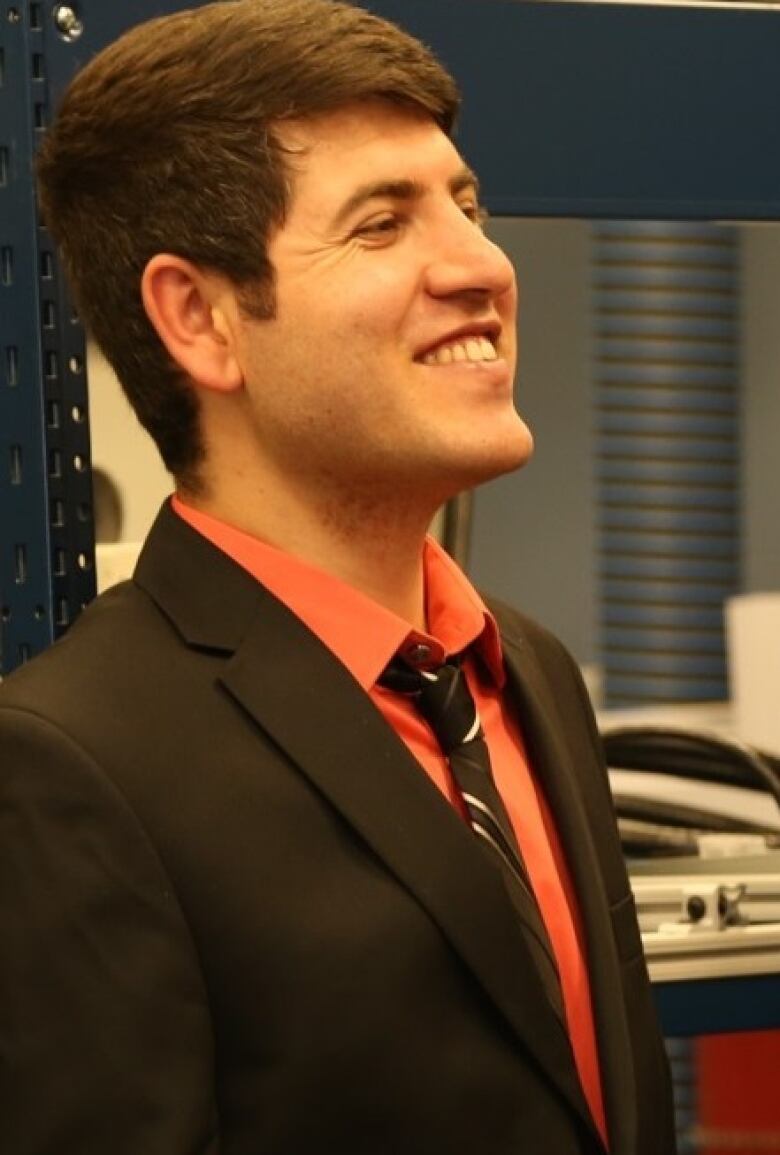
466, 262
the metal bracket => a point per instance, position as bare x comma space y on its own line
706, 907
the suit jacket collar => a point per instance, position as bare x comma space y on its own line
209, 599
280, 673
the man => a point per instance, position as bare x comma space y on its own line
248, 904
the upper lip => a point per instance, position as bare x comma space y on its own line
490, 329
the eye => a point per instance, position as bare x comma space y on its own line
475, 212
380, 228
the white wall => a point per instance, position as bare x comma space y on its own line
124, 450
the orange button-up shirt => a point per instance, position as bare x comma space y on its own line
364, 636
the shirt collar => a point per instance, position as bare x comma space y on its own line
362, 634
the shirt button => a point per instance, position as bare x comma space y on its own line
418, 654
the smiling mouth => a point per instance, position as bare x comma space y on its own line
472, 349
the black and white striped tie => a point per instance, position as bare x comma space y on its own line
445, 701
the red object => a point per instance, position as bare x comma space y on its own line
738, 1092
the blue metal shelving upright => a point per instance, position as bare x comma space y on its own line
46, 525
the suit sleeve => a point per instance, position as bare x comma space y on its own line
105, 1037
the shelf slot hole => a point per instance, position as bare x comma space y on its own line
12, 365
20, 564
52, 366
53, 414
7, 265
47, 266
16, 465
4, 166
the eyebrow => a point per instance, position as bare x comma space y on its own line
400, 190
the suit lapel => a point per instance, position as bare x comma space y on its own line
558, 774
338, 739
300, 695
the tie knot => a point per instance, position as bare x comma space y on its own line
442, 697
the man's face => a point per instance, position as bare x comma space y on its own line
390, 361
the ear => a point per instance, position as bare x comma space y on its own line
195, 314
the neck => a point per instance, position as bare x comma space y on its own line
374, 545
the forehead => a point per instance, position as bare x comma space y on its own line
332, 154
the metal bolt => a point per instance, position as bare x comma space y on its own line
697, 908
68, 22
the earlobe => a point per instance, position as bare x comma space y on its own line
190, 311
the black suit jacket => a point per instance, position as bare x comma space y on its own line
237, 917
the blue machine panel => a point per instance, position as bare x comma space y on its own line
718, 1006
613, 110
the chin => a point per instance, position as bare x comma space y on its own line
506, 455
486, 466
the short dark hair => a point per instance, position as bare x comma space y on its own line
165, 142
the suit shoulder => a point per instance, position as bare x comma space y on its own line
521, 629
557, 665
91, 657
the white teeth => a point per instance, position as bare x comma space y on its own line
473, 349
488, 350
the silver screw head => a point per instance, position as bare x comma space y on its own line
67, 22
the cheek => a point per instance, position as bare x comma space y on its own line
336, 348
376, 306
